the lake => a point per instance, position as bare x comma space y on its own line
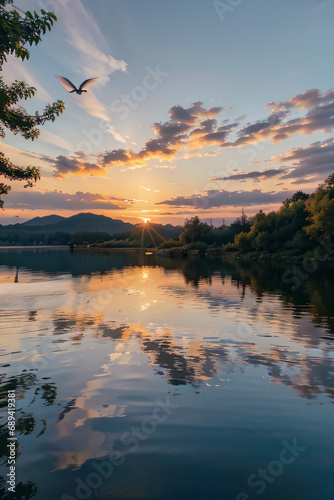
143, 377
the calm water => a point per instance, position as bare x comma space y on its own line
146, 378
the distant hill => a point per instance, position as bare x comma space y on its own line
54, 229
43, 221
71, 225
89, 222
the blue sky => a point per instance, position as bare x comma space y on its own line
254, 53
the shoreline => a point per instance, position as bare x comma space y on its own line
183, 253
21, 247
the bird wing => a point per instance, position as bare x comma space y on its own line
66, 83
88, 83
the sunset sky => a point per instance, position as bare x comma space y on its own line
201, 108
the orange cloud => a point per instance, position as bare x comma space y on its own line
190, 130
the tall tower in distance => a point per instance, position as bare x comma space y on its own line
243, 216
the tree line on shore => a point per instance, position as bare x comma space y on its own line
294, 228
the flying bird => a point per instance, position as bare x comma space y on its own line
68, 85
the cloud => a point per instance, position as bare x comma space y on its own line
94, 107
90, 103
55, 200
55, 140
76, 165
115, 134
149, 189
302, 181
256, 175
186, 130
282, 123
316, 160
77, 44
85, 35
78, 28
190, 115
222, 198
190, 130
171, 167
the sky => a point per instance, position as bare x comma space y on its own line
201, 107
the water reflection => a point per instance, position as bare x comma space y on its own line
315, 293
92, 339
201, 360
245, 305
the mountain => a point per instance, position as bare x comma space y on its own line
38, 231
88, 222
43, 221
